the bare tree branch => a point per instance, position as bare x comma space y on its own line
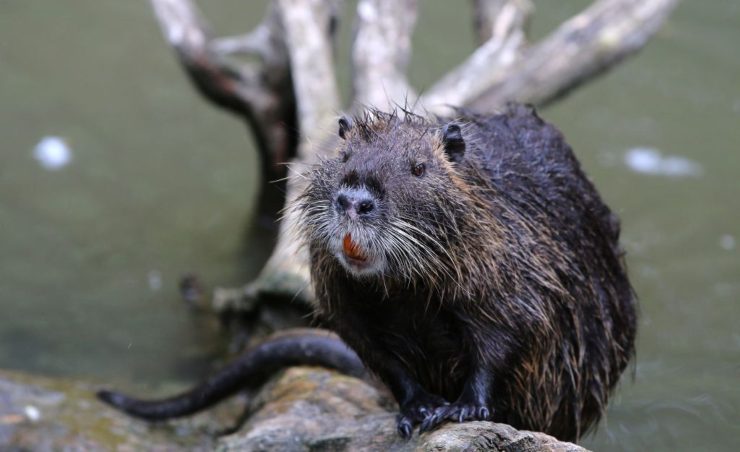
185, 29
380, 52
580, 49
255, 42
308, 32
490, 62
260, 92
498, 18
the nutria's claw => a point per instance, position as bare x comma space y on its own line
484, 414
405, 426
432, 420
417, 410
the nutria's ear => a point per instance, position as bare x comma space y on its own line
345, 124
453, 142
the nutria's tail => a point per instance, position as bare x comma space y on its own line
295, 347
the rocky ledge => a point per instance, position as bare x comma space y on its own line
301, 409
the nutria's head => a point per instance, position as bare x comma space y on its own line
388, 203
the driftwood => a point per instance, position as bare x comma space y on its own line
290, 84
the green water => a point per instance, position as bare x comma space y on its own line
160, 184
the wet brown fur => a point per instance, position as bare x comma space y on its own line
507, 261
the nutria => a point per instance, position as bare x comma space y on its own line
469, 263
473, 267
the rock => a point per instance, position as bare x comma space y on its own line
46, 414
301, 409
480, 436
310, 409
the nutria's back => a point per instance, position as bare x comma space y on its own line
471, 259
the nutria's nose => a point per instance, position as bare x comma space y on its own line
354, 202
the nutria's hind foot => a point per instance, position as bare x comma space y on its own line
417, 410
457, 412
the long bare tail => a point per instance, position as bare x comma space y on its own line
301, 346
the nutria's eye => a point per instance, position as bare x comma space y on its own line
418, 170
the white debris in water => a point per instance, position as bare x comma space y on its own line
32, 413
727, 242
366, 11
154, 278
52, 152
652, 161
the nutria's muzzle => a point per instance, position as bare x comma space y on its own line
355, 203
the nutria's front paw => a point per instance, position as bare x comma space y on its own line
458, 411
417, 410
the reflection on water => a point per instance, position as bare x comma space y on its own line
159, 185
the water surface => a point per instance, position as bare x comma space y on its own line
158, 183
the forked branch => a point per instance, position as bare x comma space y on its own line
264, 102
582, 48
498, 19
